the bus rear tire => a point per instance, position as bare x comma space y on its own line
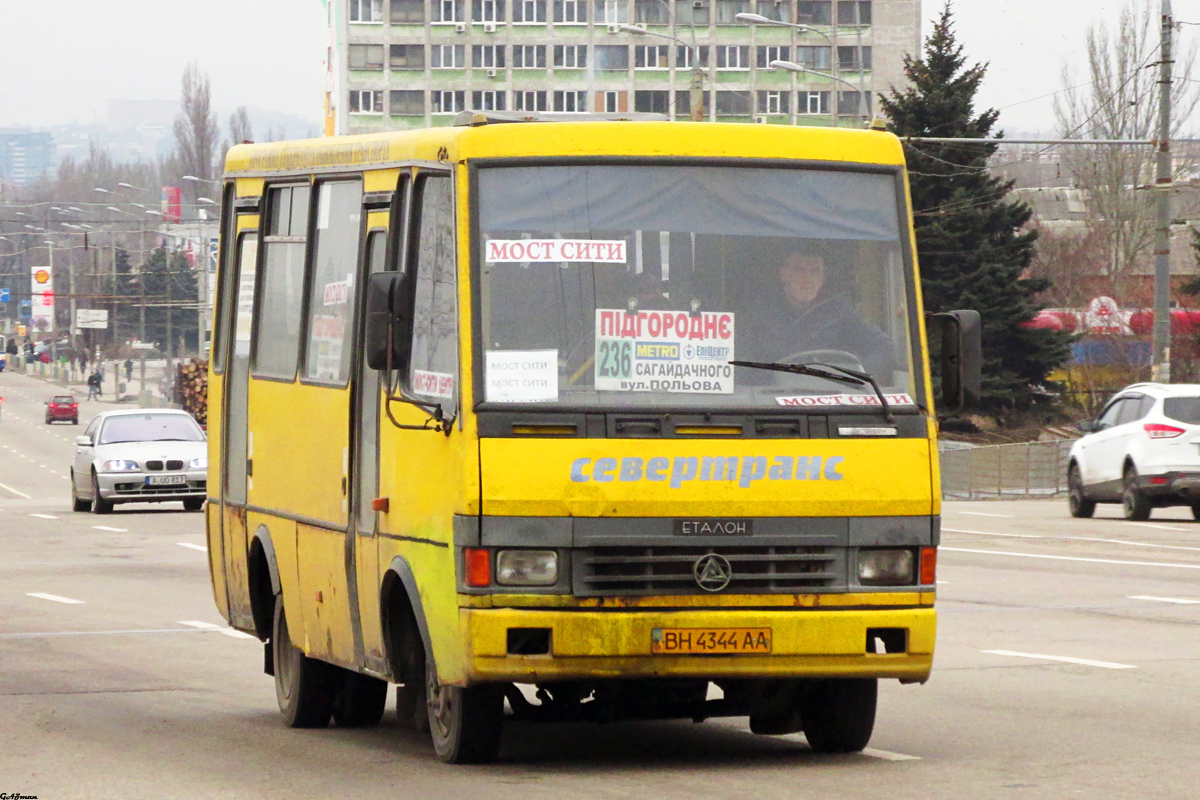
359, 700
303, 685
839, 714
464, 723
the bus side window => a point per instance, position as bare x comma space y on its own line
433, 366
280, 292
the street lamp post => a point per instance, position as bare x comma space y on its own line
696, 87
791, 66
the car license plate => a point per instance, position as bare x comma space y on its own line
709, 641
166, 480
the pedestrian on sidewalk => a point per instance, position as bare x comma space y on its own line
83, 362
93, 384
128, 369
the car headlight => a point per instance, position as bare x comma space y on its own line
885, 567
119, 465
527, 568
199, 463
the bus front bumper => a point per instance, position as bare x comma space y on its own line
617, 644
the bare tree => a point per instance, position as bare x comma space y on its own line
195, 127
1119, 102
1067, 257
239, 126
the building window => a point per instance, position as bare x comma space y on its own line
846, 12
683, 56
769, 53
529, 56
813, 12
448, 102
772, 102
487, 56
407, 103
448, 56
570, 102
612, 102
683, 103
651, 56
733, 57
848, 58
487, 11
652, 12
366, 11
612, 56
529, 101
778, 10
407, 56
733, 104
365, 56
447, 10
611, 12
570, 56
408, 12
691, 13
813, 57
529, 12
366, 101
728, 9
813, 103
848, 103
488, 100
652, 102
570, 12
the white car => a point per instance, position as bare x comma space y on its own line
139, 456
1143, 451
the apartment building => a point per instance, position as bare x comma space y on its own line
415, 63
25, 156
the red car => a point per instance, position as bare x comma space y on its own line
62, 408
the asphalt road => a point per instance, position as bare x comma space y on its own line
1067, 665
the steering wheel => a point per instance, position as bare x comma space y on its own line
839, 358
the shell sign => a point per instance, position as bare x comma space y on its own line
41, 290
41, 277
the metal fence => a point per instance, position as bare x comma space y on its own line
1000, 471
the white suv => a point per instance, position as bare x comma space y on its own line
1143, 451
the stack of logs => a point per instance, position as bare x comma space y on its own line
191, 388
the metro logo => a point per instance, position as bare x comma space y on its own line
684, 469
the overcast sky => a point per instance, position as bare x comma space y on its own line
61, 62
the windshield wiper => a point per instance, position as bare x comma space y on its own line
819, 370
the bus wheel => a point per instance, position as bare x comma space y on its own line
303, 685
839, 714
464, 723
359, 700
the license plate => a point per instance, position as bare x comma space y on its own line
166, 480
709, 641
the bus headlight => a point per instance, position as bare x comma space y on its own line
885, 567
527, 568
119, 465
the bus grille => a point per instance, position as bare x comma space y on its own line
669, 570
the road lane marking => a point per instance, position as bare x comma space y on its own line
1180, 600
53, 597
45, 634
1132, 544
981, 514
44, 516
1073, 558
990, 533
191, 546
208, 626
17, 492
106, 528
1157, 527
1087, 662
887, 755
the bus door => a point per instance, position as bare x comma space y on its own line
235, 452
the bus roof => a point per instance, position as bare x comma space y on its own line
488, 137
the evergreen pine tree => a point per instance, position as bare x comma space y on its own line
970, 244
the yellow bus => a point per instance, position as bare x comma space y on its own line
598, 419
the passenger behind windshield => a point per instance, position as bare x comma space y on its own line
151, 428
808, 316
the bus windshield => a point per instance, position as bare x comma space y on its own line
615, 286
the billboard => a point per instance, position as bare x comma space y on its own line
41, 292
91, 318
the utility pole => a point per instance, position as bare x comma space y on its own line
1161, 369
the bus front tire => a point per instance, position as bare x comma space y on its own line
303, 686
464, 723
359, 700
839, 714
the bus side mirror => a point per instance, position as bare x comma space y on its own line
961, 356
389, 317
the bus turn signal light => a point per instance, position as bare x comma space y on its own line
928, 566
479, 567
380, 504
1159, 431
